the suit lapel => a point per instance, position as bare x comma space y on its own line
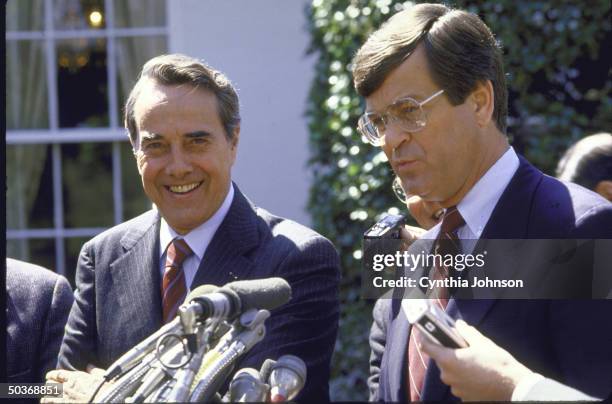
510, 218
516, 198
135, 286
396, 354
133, 303
225, 259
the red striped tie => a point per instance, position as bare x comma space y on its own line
174, 289
446, 243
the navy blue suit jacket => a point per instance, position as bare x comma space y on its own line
38, 302
118, 300
566, 340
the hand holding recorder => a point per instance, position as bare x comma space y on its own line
482, 371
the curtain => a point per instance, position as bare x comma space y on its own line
26, 108
133, 52
27, 97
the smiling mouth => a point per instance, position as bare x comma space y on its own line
183, 189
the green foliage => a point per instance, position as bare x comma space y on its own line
559, 84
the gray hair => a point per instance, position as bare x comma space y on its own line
177, 69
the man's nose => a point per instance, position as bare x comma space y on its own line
179, 164
395, 135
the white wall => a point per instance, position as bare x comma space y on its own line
260, 45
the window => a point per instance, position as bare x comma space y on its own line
70, 169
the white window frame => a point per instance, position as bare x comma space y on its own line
115, 133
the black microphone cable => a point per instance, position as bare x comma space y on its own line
97, 390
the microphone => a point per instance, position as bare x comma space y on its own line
183, 379
131, 357
219, 362
237, 297
262, 294
247, 387
266, 368
287, 378
200, 291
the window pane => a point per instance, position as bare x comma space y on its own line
25, 15
29, 180
139, 13
135, 200
132, 53
26, 85
88, 185
82, 83
37, 251
73, 248
79, 14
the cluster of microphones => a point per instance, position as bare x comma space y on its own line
192, 357
277, 381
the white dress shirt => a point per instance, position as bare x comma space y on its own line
198, 239
478, 204
476, 208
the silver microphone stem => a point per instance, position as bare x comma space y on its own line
128, 382
252, 330
184, 377
160, 394
157, 374
139, 351
202, 391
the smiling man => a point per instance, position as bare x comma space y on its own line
182, 151
436, 102
184, 125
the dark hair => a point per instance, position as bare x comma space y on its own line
461, 51
177, 69
588, 162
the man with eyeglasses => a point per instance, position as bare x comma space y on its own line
436, 103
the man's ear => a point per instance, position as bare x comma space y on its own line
235, 137
234, 142
135, 149
133, 142
604, 188
483, 100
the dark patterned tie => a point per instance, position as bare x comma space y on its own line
447, 242
174, 289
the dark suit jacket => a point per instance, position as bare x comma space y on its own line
567, 340
38, 302
118, 299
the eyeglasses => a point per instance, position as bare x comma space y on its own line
407, 113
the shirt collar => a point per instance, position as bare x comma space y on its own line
198, 238
478, 204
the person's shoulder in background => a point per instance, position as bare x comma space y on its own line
38, 304
568, 210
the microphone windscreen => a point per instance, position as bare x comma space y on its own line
292, 362
200, 291
268, 293
253, 373
247, 386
